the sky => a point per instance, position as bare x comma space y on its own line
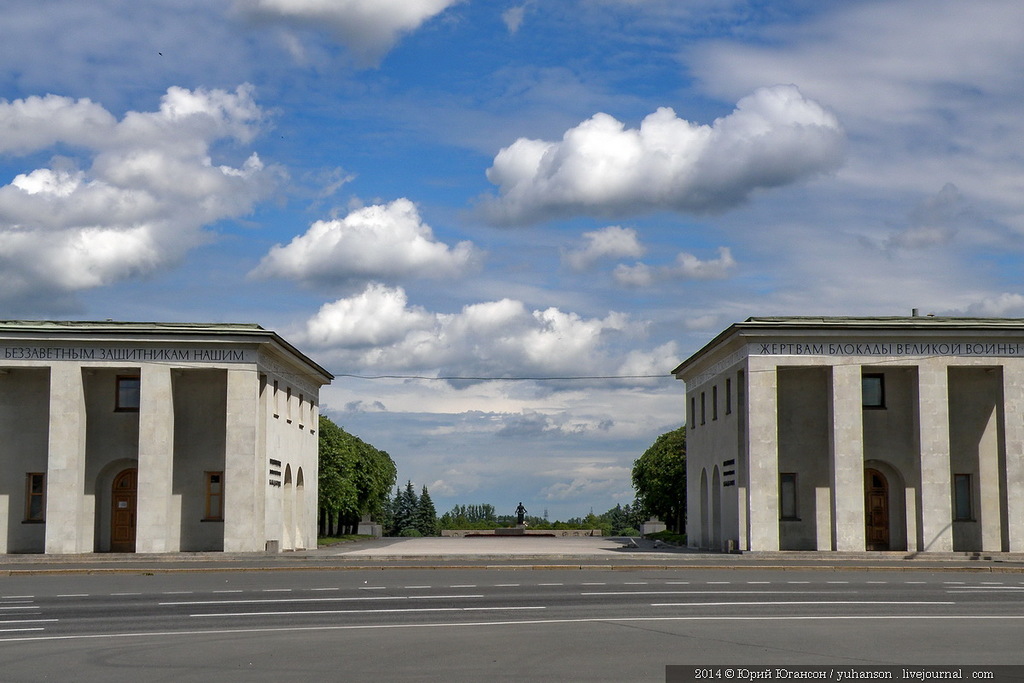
501, 223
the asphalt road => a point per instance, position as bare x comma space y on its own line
495, 624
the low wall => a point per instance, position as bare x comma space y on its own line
459, 533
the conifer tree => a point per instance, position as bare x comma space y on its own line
406, 504
426, 515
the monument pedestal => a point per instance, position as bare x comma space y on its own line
652, 526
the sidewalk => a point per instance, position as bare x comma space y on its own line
497, 552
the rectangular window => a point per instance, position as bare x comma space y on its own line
35, 497
962, 503
129, 388
873, 390
693, 412
787, 495
277, 401
728, 397
703, 409
288, 405
714, 402
214, 496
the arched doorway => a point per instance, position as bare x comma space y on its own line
705, 511
287, 533
123, 498
716, 510
300, 511
876, 509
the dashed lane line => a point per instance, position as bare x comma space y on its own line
371, 611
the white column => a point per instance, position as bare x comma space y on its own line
243, 465
156, 530
65, 468
913, 538
823, 517
847, 466
936, 494
1013, 435
763, 455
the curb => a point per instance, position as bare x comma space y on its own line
503, 567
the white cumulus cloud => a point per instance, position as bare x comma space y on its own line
513, 17
135, 199
686, 267
380, 242
609, 242
1004, 305
774, 137
378, 329
369, 28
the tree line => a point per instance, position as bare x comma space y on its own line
357, 480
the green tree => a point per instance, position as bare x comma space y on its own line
355, 479
404, 509
426, 515
470, 517
659, 477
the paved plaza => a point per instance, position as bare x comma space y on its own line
494, 546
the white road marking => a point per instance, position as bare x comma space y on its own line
266, 601
20, 607
734, 592
18, 630
802, 602
506, 585
325, 589
73, 595
519, 623
26, 621
368, 611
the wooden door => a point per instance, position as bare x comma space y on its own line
122, 512
876, 509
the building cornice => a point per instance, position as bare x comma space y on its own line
789, 326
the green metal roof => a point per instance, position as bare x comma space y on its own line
119, 325
880, 321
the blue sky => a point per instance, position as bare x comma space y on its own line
520, 188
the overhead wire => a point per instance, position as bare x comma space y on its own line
452, 378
